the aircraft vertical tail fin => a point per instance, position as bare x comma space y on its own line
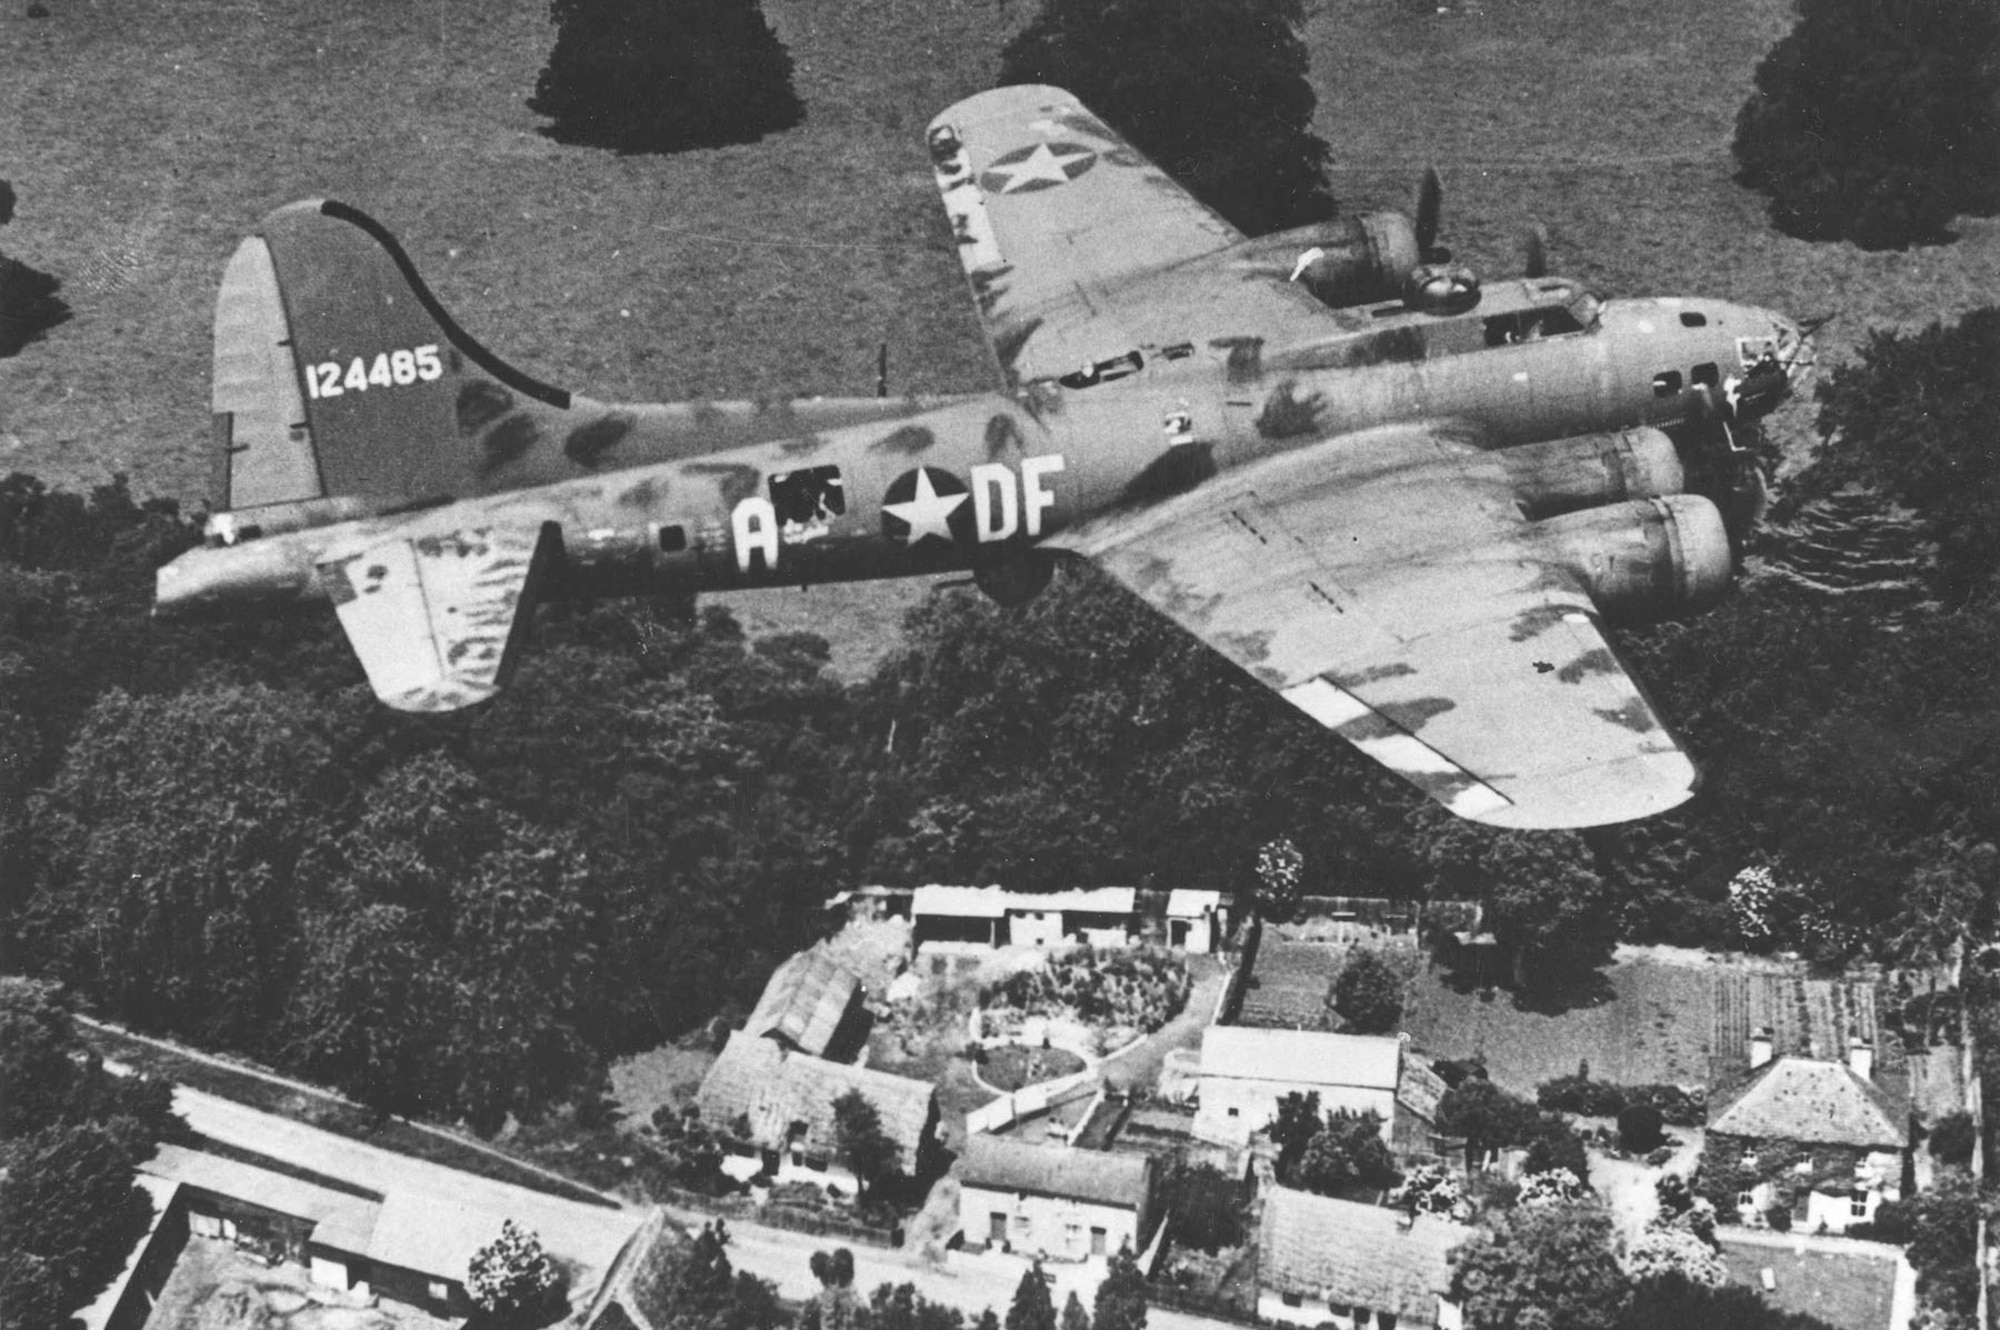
338, 374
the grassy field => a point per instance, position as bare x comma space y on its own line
1652, 1024
146, 136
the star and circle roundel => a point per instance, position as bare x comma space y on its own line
1041, 166
925, 504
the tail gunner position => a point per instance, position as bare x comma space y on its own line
1404, 501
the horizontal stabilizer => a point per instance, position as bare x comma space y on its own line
438, 620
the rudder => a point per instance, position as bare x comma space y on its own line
338, 374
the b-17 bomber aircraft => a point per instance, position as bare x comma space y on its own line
1405, 502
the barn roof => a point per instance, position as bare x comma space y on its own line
997, 1163
774, 1089
1365, 1255
805, 1002
1300, 1057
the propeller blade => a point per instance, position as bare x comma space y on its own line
1535, 258
1430, 202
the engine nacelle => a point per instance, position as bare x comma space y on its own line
1587, 470
1647, 560
1015, 577
1343, 261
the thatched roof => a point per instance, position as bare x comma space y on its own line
775, 1090
997, 1163
1344, 1252
1812, 1101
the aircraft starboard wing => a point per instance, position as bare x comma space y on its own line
1386, 584
1080, 250
437, 620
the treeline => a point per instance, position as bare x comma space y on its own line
214, 831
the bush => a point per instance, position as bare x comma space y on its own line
1581, 1095
1638, 1128
1139, 988
1204, 1206
1952, 1139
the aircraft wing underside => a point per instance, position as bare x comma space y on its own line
1080, 250
1387, 585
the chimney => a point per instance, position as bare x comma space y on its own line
1861, 1058
1760, 1047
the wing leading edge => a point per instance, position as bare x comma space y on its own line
1387, 585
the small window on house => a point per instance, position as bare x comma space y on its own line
1749, 1159
440, 1291
816, 1163
1098, 1237
1233, 1112
1857, 1205
1744, 1200
1690, 319
1803, 1167
673, 539
808, 496
1707, 373
1294, 1299
1666, 383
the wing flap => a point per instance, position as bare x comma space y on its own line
437, 621
1408, 607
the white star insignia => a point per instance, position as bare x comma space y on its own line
927, 511
1043, 165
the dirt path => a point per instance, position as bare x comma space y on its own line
1140, 1064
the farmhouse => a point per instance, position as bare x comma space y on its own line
812, 1005
1323, 1260
1053, 1201
1245, 1072
385, 1234
1810, 1137
995, 917
778, 1106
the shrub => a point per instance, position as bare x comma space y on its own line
1581, 1095
1638, 1128
1139, 988
1952, 1139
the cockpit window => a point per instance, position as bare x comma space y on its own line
1585, 309
1530, 325
1692, 319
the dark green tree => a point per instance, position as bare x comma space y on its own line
1347, 1155
902, 1308
1910, 420
1298, 1121
1368, 994
664, 75
1204, 1206
1943, 1229
1877, 123
512, 1278
1032, 1308
1074, 1317
1121, 1298
862, 1143
69, 1205
1548, 1266
1213, 91
1487, 1116
1543, 898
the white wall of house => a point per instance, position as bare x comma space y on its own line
1232, 1107
1058, 1228
1273, 1306
1035, 928
329, 1269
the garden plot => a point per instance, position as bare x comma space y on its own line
1288, 983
